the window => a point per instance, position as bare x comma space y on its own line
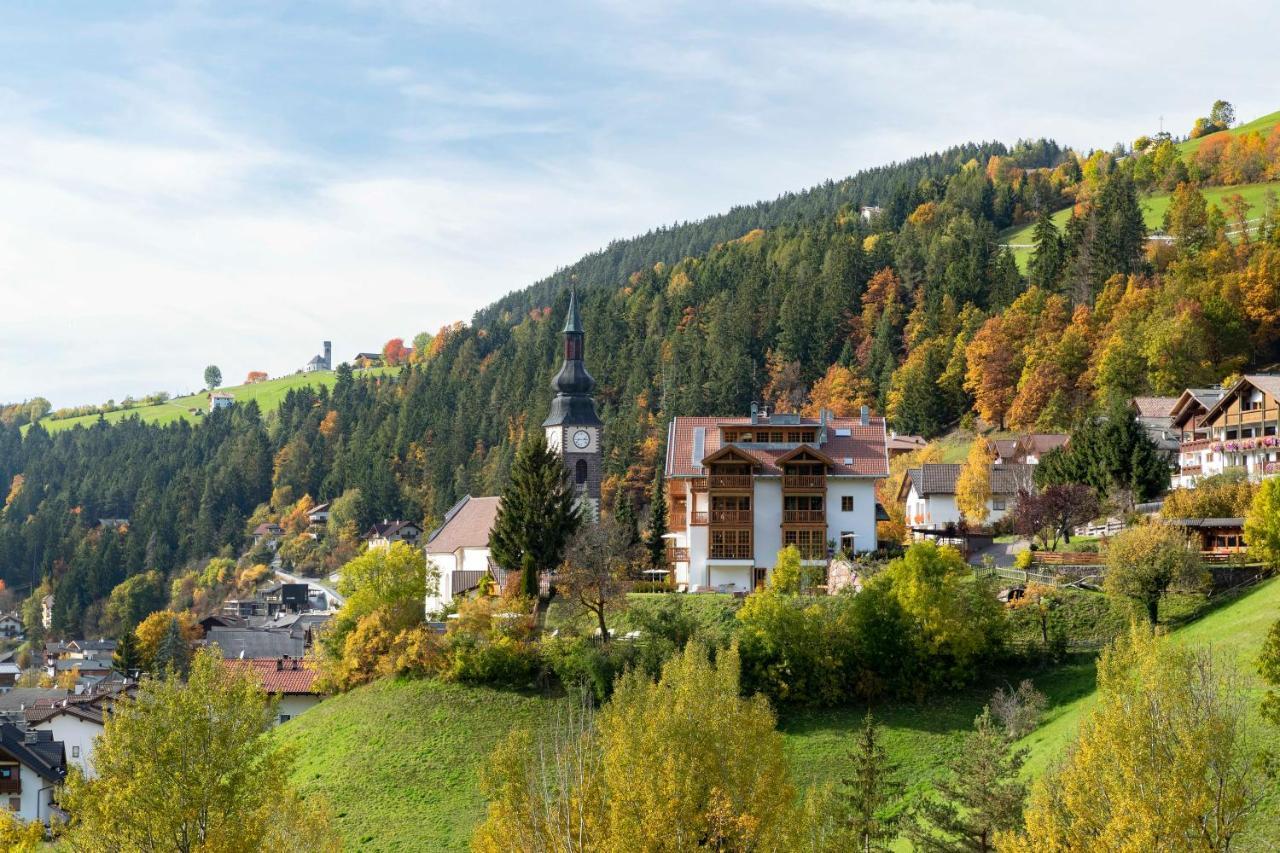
75, 751
775, 437
284, 718
580, 472
846, 503
15, 804
997, 504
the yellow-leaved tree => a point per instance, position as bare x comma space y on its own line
183, 766
973, 487
1169, 759
640, 776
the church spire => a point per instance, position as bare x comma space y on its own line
572, 320
573, 384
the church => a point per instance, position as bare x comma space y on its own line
459, 547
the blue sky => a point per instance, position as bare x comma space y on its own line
226, 182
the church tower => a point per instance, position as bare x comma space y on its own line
573, 427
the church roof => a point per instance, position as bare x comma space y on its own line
572, 320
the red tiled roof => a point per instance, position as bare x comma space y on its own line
861, 453
467, 525
1154, 407
277, 675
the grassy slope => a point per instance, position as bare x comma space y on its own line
1264, 124
415, 746
268, 395
399, 759
1153, 210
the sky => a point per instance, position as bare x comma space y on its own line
190, 183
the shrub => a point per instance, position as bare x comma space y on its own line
492, 642
1018, 710
583, 662
1024, 560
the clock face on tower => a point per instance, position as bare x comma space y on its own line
581, 438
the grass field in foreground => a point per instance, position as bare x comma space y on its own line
268, 395
399, 759
1153, 210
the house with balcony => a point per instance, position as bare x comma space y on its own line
32, 767
929, 493
1243, 428
1196, 459
740, 489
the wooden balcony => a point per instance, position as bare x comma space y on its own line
698, 518
734, 517
804, 482
10, 786
729, 482
677, 521
677, 555
804, 516
731, 551
698, 484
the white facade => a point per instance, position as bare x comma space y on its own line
939, 510
36, 799
291, 705
77, 735
856, 524
462, 560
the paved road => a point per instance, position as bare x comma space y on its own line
329, 591
1003, 553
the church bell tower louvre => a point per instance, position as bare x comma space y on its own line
573, 428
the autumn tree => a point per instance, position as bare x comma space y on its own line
1169, 758
1145, 562
992, 374
184, 767
395, 353
538, 515
1051, 513
152, 631
723, 784
973, 486
1269, 669
212, 377
1262, 524
980, 797
255, 376
839, 391
133, 600
1187, 219
595, 574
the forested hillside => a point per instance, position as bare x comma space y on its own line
915, 309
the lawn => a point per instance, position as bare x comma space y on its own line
268, 395
1153, 210
1264, 124
399, 759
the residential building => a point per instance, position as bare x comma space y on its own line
46, 612
221, 400
458, 550
32, 767
11, 625
929, 492
1027, 449
739, 489
365, 360
249, 643
318, 518
10, 672
269, 534
1196, 459
1155, 416
76, 724
898, 445
290, 679
320, 362
869, 212
1239, 430
383, 534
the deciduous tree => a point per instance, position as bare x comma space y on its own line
184, 767
1145, 562
212, 377
595, 574
1262, 524
973, 486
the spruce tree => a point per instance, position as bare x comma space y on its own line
1045, 267
657, 524
625, 516
538, 515
127, 658
1122, 234
869, 791
173, 654
980, 796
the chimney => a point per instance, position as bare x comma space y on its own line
865, 417
755, 412
279, 665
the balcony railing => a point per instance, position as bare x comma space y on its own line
677, 555
804, 481
731, 516
730, 551
10, 786
804, 516
730, 481
698, 518
677, 522
698, 484
1195, 444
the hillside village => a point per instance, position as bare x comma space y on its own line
943, 497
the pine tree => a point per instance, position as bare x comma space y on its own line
869, 791
1122, 234
980, 797
538, 515
625, 516
127, 658
654, 542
